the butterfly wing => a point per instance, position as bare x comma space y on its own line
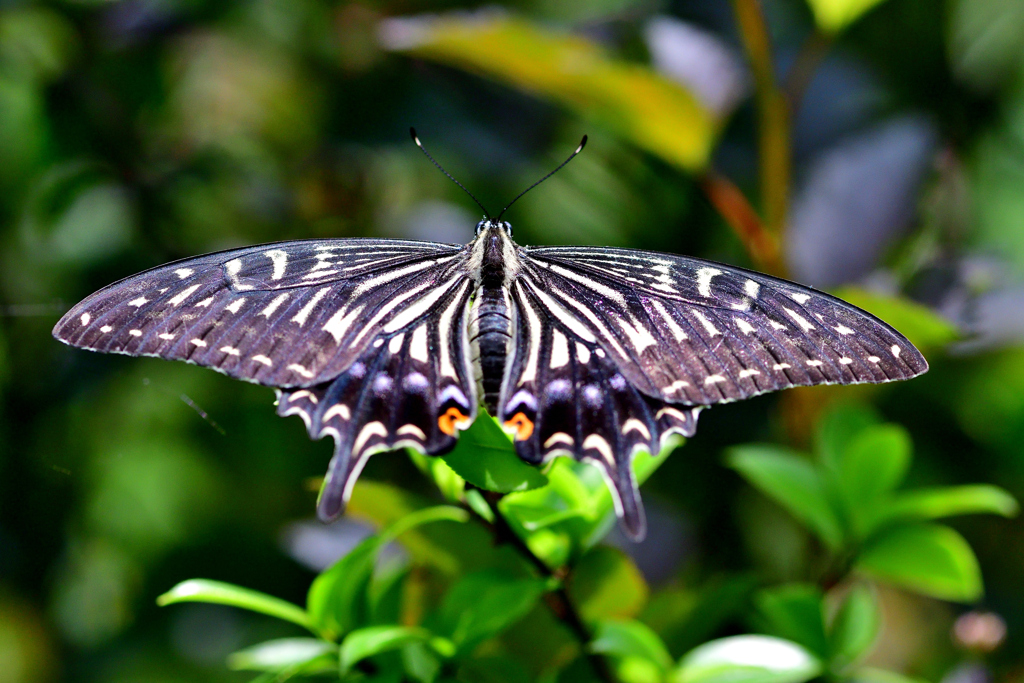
365, 339
291, 314
616, 349
564, 393
412, 387
698, 333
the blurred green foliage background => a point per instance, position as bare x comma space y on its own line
876, 147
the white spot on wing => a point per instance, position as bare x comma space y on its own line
895, 351
751, 288
166, 336
418, 345
300, 370
874, 359
230, 350
183, 273
845, 361
745, 327
204, 303
843, 329
714, 379
105, 329
711, 329
815, 363
559, 349
395, 345
135, 333
198, 342
800, 320
183, 294
704, 276
138, 302
280, 261
260, 358
749, 373
235, 305
781, 366
274, 305
582, 353
799, 297
85, 319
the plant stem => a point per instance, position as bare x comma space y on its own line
733, 207
799, 76
774, 117
558, 600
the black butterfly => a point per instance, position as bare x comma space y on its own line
591, 352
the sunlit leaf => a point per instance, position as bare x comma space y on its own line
373, 640
747, 659
927, 558
605, 584
484, 456
835, 15
953, 500
217, 592
791, 481
630, 639
307, 654
652, 111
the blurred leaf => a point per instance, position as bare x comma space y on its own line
985, 42
482, 604
23, 129
450, 484
873, 675
795, 612
837, 428
833, 16
484, 456
855, 626
950, 501
653, 112
420, 662
792, 482
923, 327
606, 584
311, 655
219, 593
927, 558
747, 659
630, 639
386, 592
685, 618
36, 43
874, 464
373, 640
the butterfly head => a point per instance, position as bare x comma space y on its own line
492, 224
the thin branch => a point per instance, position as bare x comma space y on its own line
733, 207
558, 600
773, 119
799, 76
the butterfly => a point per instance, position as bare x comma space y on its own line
591, 352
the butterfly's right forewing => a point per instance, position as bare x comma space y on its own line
291, 314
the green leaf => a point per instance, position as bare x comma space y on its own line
855, 626
952, 500
291, 654
652, 111
872, 675
204, 590
685, 618
833, 16
873, 464
921, 325
927, 558
338, 600
606, 584
791, 481
747, 659
630, 639
450, 484
484, 456
837, 428
483, 604
420, 662
373, 640
795, 612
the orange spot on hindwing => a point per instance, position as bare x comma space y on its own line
523, 426
450, 420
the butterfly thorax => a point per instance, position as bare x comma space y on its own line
494, 262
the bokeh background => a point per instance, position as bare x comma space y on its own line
874, 148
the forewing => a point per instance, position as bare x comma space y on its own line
563, 393
290, 314
410, 387
694, 332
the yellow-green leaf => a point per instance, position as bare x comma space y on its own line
652, 111
833, 16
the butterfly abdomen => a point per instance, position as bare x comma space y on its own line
490, 337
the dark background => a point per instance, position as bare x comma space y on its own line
137, 132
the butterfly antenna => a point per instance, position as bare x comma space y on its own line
583, 143
415, 138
